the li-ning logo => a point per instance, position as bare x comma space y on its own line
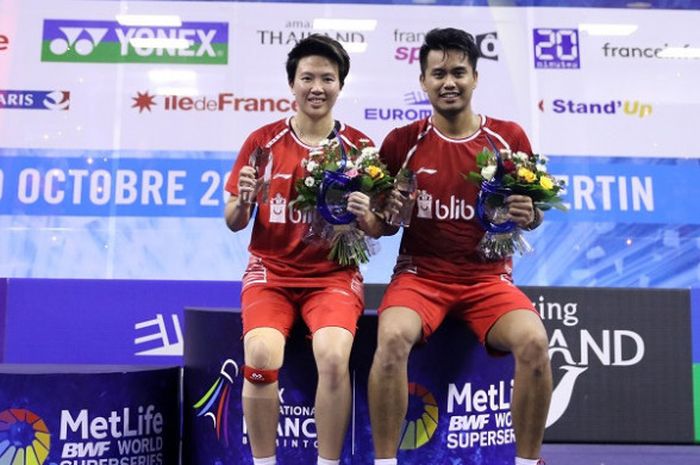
23, 434
214, 403
90, 41
426, 408
57, 100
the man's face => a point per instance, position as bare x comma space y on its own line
449, 81
316, 86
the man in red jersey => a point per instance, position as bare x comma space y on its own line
439, 270
286, 276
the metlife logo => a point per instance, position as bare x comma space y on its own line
89, 41
58, 100
556, 48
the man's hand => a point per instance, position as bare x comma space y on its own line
521, 210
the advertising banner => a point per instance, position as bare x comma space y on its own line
459, 398
118, 135
614, 354
70, 415
104, 321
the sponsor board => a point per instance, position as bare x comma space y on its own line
613, 350
115, 321
453, 409
79, 415
93, 41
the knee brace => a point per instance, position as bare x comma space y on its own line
259, 376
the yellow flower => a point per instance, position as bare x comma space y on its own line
546, 182
526, 174
375, 172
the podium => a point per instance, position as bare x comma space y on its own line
459, 404
89, 414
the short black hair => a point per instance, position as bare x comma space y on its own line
449, 39
321, 45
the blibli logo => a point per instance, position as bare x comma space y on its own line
453, 209
110, 42
456, 209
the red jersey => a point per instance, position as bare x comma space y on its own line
442, 241
279, 256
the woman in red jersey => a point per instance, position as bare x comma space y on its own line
286, 276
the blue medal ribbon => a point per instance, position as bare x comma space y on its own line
490, 189
336, 180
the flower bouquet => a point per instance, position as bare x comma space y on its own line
500, 175
331, 174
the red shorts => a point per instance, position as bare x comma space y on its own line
278, 307
479, 304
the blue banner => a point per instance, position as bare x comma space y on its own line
89, 415
111, 321
163, 184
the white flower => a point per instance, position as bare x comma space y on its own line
349, 164
487, 172
521, 156
304, 162
311, 166
324, 142
370, 152
542, 168
309, 181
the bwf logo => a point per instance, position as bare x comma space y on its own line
110, 42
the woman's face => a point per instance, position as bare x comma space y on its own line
316, 86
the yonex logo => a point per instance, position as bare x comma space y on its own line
90, 41
82, 40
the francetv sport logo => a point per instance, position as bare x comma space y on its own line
87, 41
35, 100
